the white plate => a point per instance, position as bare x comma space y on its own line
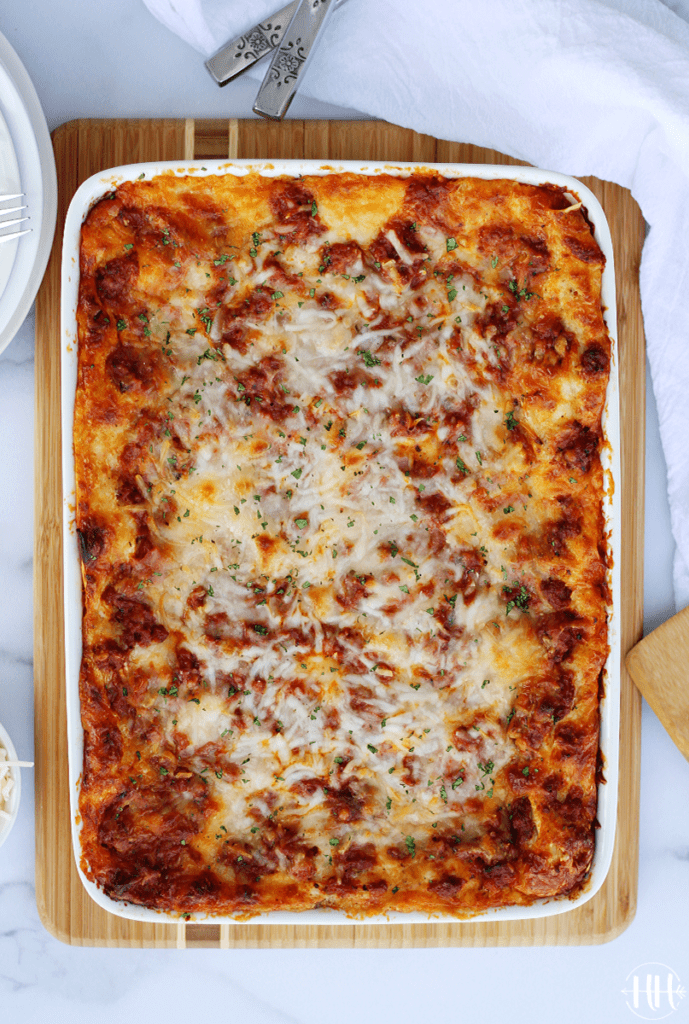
10, 184
36, 164
92, 190
13, 807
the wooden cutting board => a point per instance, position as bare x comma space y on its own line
83, 148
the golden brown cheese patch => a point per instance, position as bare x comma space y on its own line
339, 502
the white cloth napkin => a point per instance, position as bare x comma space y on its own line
581, 86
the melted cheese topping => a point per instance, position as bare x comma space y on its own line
340, 509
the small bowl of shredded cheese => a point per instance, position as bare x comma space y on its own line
10, 784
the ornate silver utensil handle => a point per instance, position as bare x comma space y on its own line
240, 53
291, 58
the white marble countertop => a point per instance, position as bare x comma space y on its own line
104, 59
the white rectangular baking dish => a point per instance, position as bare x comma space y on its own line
92, 190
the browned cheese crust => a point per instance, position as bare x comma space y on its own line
345, 569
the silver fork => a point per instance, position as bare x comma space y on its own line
7, 236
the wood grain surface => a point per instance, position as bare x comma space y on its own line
83, 148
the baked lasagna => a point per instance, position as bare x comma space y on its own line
340, 509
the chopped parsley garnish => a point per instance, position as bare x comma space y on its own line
520, 293
369, 359
518, 600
